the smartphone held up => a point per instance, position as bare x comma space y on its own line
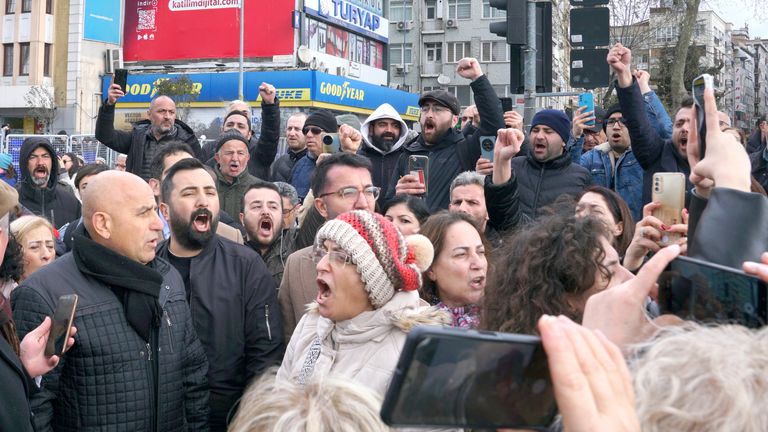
61, 327
701, 83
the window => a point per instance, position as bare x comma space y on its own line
10, 6
431, 7
49, 6
666, 34
400, 54
497, 51
462, 93
26, 6
434, 52
47, 60
7, 59
459, 9
24, 58
490, 12
457, 51
501, 90
400, 10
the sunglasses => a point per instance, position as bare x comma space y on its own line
314, 129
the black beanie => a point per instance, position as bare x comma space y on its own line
612, 109
324, 120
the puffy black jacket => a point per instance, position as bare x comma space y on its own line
453, 154
759, 168
282, 167
132, 143
504, 212
106, 381
540, 183
234, 307
54, 202
14, 410
383, 167
756, 143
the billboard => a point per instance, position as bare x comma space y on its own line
102, 21
352, 15
166, 30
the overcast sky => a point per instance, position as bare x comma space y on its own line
739, 12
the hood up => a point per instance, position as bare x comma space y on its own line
27, 147
384, 111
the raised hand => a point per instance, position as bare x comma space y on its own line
619, 58
267, 93
469, 68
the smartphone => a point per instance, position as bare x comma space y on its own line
701, 291
121, 79
61, 325
669, 190
487, 144
701, 82
419, 166
506, 104
331, 143
451, 377
587, 100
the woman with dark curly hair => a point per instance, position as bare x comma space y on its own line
551, 267
608, 206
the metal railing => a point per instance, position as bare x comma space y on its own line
86, 146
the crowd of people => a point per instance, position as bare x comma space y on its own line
224, 288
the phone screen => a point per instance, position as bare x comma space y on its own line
419, 167
506, 104
699, 83
464, 381
121, 78
705, 292
62, 323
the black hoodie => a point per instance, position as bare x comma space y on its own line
53, 202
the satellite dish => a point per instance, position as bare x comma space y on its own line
443, 79
304, 54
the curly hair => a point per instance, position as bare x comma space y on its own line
539, 267
13, 261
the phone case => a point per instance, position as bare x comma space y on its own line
587, 99
699, 84
121, 79
668, 189
63, 317
487, 144
334, 146
419, 166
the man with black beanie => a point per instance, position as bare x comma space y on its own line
317, 124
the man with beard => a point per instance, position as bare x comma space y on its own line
653, 153
147, 136
384, 134
758, 140
448, 151
613, 165
39, 191
232, 175
262, 218
230, 292
297, 148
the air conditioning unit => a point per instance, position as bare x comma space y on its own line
451, 23
401, 69
406, 68
113, 59
404, 25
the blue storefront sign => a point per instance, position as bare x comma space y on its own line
102, 21
294, 88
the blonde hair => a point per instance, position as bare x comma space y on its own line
327, 405
697, 378
26, 224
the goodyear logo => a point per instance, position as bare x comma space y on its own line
296, 94
151, 89
342, 91
413, 111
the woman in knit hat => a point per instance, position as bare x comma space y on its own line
7, 172
368, 278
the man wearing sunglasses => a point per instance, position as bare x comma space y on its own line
613, 164
317, 124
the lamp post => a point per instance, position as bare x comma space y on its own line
242, 26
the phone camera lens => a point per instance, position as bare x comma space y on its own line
327, 140
487, 144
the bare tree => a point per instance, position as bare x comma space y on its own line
681, 48
183, 92
42, 105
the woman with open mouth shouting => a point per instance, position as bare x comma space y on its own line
368, 279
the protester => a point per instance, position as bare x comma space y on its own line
367, 299
606, 205
230, 292
120, 163
559, 261
648, 235
327, 405
654, 109
38, 189
37, 240
316, 125
232, 176
84, 176
407, 213
7, 171
757, 141
456, 281
291, 205
138, 361
143, 141
449, 152
384, 134
297, 148
71, 163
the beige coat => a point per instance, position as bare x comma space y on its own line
297, 289
364, 349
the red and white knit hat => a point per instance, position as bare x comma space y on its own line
385, 260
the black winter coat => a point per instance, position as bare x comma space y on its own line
282, 167
55, 202
132, 143
541, 183
383, 167
755, 143
759, 168
106, 382
504, 212
15, 384
453, 154
234, 306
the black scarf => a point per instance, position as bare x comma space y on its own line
136, 285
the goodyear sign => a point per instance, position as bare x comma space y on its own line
300, 88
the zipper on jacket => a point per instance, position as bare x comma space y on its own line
149, 352
170, 333
266, 318
538, 190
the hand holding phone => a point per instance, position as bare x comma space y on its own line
587, 100
119, 79
701, 83
506, 104
61, 328
331, 143
668, 189
418, 166
487, 144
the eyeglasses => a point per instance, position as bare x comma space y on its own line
314, 129
286, 211
336, 257
437, 109
613, 121
351, 193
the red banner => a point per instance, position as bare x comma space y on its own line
165, 30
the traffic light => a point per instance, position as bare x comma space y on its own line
514, 28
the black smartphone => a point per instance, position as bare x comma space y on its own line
506, 104
121, 78
61, 326
487, 144
701, 82
701, 291
451, 377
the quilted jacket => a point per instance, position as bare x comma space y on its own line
111, 379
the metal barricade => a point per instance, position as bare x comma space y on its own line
90, 148
13, 142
